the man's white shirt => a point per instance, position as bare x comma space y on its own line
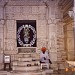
44, 55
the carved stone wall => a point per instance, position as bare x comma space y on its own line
48, 21
68, 29
23, 12
56, 35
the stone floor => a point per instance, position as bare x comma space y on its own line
60, 72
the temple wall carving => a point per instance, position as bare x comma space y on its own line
48, 22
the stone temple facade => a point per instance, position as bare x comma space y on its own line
54, 29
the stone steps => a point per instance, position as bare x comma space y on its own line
37, 72
24, 55
26, 63
28, 59
26, 68
27, 73
25, 59
28, 54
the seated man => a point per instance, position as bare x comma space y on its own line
44, 57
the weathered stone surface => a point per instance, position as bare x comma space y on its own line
52, 41
20, 16
1, 43
10, 44
48, 24
42, 32
41, 29
9, 35
26, 3
70, 27
49, 21
42, 10
32, 17
26, 9
41, 43
52, 12
70, 43
1, 22
35, 9
9, 10
52, 28
1, 29
10, 52
16, 9
9, 16
1, 58
53, 56
41, 22
71, 55
11, 29
54, 66
41, 17
1, 13
70, 34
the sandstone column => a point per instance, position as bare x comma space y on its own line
74, 27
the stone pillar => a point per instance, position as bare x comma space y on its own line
1, 36
74, 27
55, 35
51, 32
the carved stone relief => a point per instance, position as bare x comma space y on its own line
41, 43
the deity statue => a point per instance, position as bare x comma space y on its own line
26, 34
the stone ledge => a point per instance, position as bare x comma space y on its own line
23, 68
10, 52
32, 63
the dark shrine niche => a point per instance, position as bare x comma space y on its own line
26, 33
